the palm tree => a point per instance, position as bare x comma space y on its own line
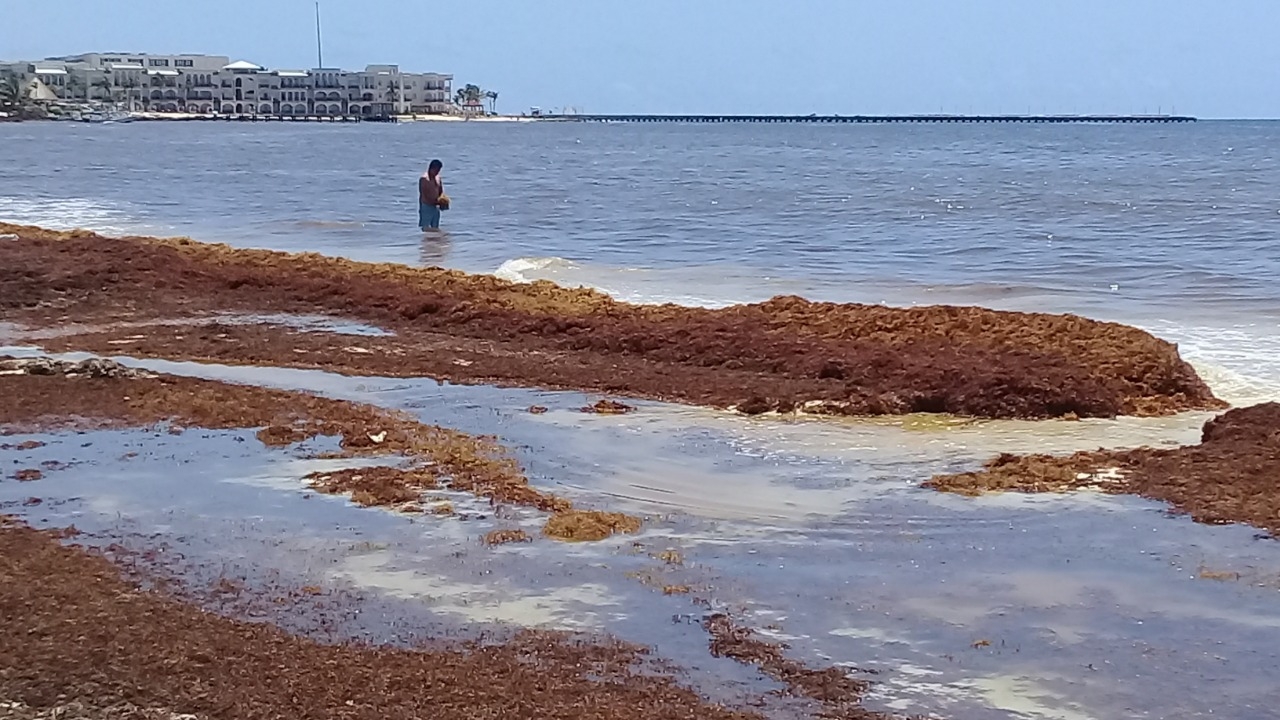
15, 98
131, 87
492, 97
469, 97
10, 92
393, 97
104, 84
73, 87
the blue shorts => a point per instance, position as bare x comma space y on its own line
428, 216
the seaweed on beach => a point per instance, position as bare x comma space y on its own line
42, 394
1232, 475
785, 354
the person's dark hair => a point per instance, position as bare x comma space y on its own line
435, 165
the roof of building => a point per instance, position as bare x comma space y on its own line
126, 66
292, 73
51, 70
242, 65
163, 72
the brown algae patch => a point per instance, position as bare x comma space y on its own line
588, 525
77, 636
1231, 476
503, 537
608, 407
376, 485
779, 355
103, 394
832, 686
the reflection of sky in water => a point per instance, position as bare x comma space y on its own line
1080, 606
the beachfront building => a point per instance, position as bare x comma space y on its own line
214, 84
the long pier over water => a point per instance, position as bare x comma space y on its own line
846, 119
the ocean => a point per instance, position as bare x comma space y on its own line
820, 524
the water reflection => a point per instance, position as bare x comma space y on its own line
436, 244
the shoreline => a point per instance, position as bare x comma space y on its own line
783, 355
696, 119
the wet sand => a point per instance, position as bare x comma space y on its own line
1230, 477
831, 548
780, 355
62, 671
42, 394
79, 639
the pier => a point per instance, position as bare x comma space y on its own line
874, 119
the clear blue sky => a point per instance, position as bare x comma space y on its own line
1211, 58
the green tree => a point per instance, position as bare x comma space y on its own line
130, 89
469, 97
104, 84
393, 97
10, 92
15, 99
492, 97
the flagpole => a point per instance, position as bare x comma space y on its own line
319, 47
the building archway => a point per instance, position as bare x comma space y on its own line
239, 109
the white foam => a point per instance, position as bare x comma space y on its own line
526, 270
67, 214
1240, 362
718, 287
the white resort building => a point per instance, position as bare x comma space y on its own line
213, 84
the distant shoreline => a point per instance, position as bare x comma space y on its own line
147, 116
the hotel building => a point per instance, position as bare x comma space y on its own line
213, 84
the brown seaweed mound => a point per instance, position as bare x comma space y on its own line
782, 354
76, 636
1233, 475
503, 537
587, 525
376, 485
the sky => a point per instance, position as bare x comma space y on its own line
1208, 58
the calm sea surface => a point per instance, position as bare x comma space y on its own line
1097, 606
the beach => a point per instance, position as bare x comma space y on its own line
972, 435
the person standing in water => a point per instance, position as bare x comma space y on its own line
430, 192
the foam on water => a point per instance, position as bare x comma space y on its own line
69, 214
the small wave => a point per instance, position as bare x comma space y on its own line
1241, 364
526, 270
718, 286
67, 214
329, 224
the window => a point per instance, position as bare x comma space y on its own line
158, 62
183, 63
110, 60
